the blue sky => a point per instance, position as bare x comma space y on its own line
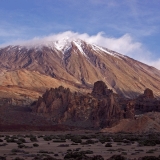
131, 27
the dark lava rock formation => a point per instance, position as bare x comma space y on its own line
147, 102
96, 110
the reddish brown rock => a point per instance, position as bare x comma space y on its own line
100, 88
147, 102
96, 110
148, 93
130, 109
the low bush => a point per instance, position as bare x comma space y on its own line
63, 145
2, 158
76, 139
18, 158
47, 138
108, 145
59, 141
21, 146
22, 140
147, 142
33, 139
150, 158
81, 156
35, 145
117, 157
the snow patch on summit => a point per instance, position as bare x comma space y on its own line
114, 54
66, 44
63, 45
79, 44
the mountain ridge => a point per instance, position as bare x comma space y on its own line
81, 64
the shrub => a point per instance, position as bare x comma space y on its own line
15, 150
89, 141
82, 155
150, 158
35, 145
98, 157
147, 142
76, 139
87, 152
33, 139
42, 151
17, 158
104, 139
4, 144
21, 146
75, 155
22, 140
2, 158
108, 145
69, 150
47, 138
10, 140
124, 153
151, 151
59, 140
63, 145
48, 158
117, 157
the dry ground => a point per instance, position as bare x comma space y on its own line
56, 149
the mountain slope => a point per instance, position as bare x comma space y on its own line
81, 64
143, 124
24, 87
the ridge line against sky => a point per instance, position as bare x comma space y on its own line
130, 27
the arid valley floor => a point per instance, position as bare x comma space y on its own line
77, 145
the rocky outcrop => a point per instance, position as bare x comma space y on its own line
96, 110
148, 94
147, 102
100, 89
14, 102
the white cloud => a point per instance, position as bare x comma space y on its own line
125, 44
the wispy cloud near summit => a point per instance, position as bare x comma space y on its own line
125, 44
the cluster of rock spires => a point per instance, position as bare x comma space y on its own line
98, 109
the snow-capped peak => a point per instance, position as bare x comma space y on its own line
63, 45
66, 44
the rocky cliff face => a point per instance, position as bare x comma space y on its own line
96, 110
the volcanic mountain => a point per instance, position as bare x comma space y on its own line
26, 71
